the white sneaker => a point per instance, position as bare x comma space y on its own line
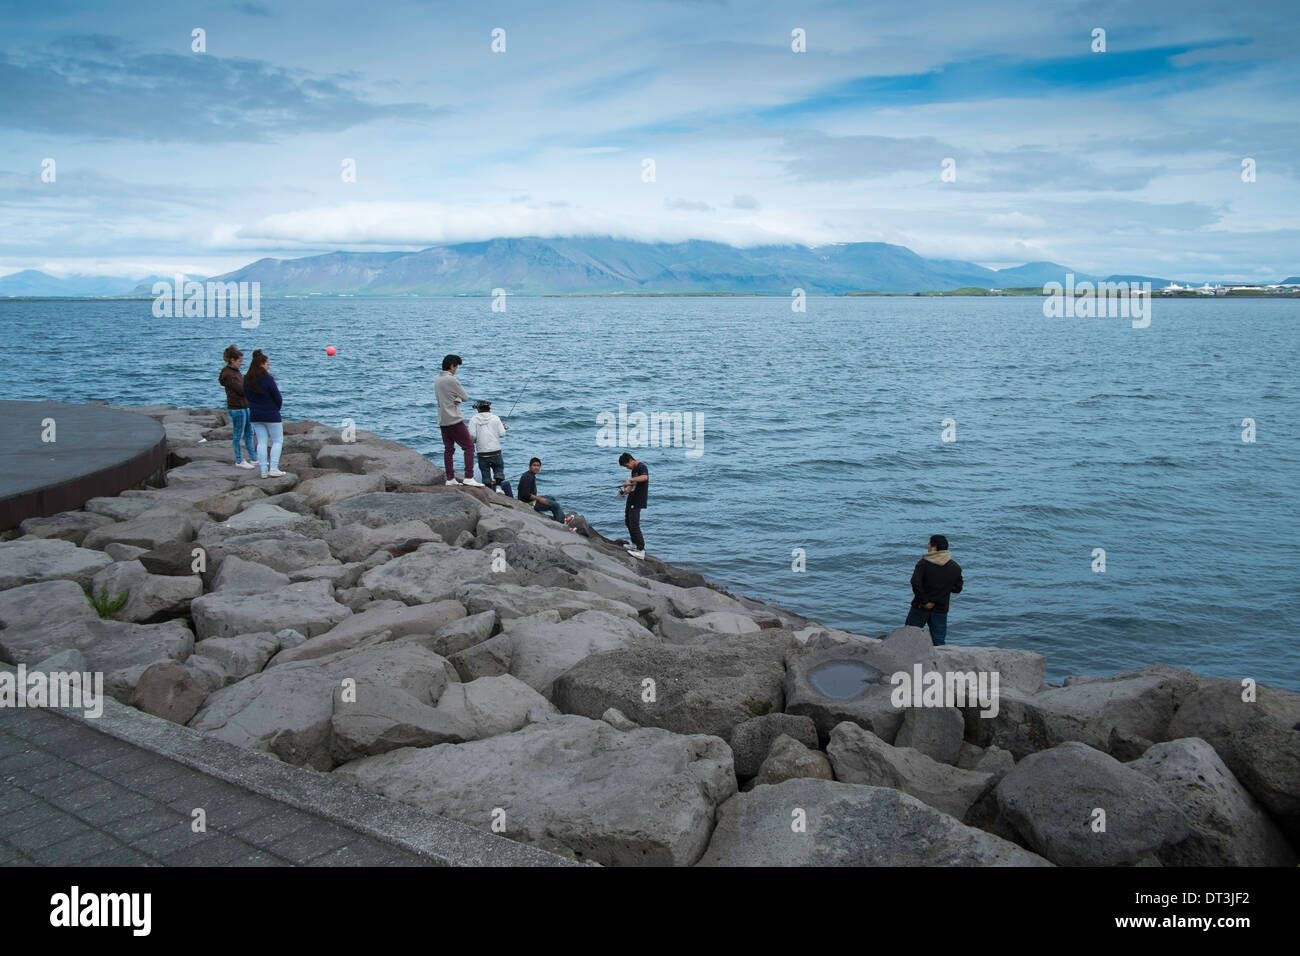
497, 489
452, 481
472, 482
639, 555
629, 547
244, 464
276, 473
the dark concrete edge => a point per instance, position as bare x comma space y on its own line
440, 840
73, 493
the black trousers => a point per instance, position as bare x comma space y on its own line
632, 515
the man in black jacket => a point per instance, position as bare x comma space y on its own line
935, 577
528, 495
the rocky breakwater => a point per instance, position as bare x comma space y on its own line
452, 649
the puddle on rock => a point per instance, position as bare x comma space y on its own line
843, 679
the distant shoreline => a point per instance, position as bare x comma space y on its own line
954, 294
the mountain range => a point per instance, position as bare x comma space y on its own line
594, 265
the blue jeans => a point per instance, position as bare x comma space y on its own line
272, 434
554, 508
916, 617
491, 468
242, 433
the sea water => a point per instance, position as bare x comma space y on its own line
1092, 478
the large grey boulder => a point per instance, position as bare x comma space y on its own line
832, 681
640, 797
67, 525
380, 718
809, 822
715, 622
238, 657
513, 601
34, 606
446, 513
434, 572
261, 517
1019, 671
790, 759
1228, 827
1055, 801
397, 464
289, 501
494, 705
169, 691
176, 558
373, 627
697, 689
1094, 711
693, 602
48, 559
125, 552
936, 732
308, 607
151, 530
229, 503
1259, 741
120, 650
150, 597
329, 489
859, 756
286, 711
356, 542
752, 739
463, 633
541, 651
182, 496
237, 576
339, 575
118, 509
282, 550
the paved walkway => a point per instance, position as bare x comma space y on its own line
72, 796
120, 789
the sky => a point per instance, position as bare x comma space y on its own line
1127, 160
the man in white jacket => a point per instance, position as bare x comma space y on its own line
487, 431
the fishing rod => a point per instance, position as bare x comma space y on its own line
521, 395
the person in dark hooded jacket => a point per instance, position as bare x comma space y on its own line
935, 577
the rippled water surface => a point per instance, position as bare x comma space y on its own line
822, 431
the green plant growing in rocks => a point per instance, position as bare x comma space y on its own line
106, 607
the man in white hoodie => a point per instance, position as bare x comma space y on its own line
487, 431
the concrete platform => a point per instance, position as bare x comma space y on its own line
97, 451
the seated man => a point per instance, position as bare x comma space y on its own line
528, 494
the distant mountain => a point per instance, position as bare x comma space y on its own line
1038, 274
594, 265
1294, 280
30, 282
144, 287
535, 266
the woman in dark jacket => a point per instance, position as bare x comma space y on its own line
241, 428
264, 409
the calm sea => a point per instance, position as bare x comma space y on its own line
824, 431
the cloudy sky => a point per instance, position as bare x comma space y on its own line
1128, 160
